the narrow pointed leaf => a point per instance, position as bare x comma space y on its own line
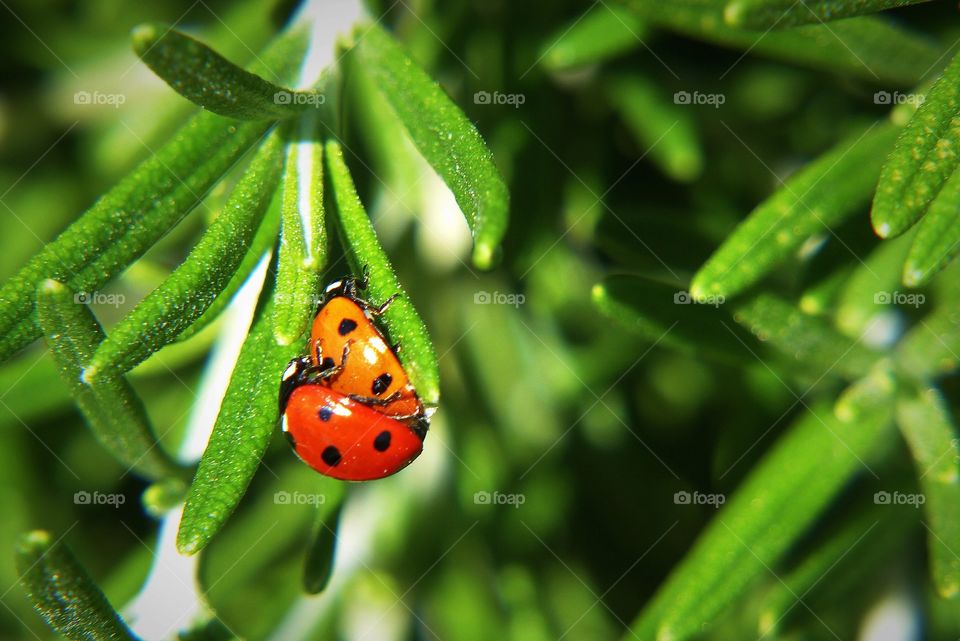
64, 594
923, 159
667, 315
938, 236
926, 426
183, 297
808, 339
781, 14
318, 563
872, 287
605, 31
303, 239
773, 507
139, 210
665, 131
865, 47
932, 346
263, 241
444, 136
403, 323
206, 78
248, 417
819, 197
113, 410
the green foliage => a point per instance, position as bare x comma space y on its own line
112, 408
923, 159
447, 140
64, 594
780, 14
602, 32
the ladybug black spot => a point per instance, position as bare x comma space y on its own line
381, 383
347, 325
382, 442
325, 413
327, 363
331, 456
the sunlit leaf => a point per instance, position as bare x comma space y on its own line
402, 321
183, 297
819, 197
208, 79
113, 410
445, 137
602, 32
926, 425
64, 594
781, 14
938, 236
923, 159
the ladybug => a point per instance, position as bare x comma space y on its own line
342, 437
353, 357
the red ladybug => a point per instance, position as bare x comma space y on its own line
345, 439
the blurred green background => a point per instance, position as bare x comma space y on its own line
578, 432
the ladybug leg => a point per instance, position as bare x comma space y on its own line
377, 311
328, 367
371, 400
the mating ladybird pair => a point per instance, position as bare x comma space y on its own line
349, 409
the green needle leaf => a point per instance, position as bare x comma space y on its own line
318, 564
263, 241
780, 14
866, 47
248, 417
869, 289
604, 32
139, 210
819, 197
932, 346
445, 137
204, 77
664, 130
303, 240
923, 159
113, 410
807, 339
938, 236
926, 425
363, 250
63, 593
183, 297
773, 507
